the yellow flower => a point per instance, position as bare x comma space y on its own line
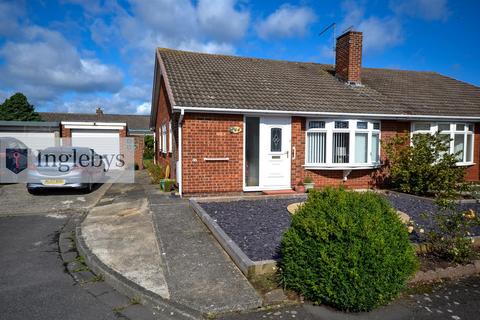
470, 214
410, 229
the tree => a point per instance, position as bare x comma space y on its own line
17, 108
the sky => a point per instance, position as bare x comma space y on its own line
77, 55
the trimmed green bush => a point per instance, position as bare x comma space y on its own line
348, 250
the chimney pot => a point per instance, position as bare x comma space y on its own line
348, 57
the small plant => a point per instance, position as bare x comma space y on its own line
135, 300
451, 239
155, 171
425, 166
348, 250
307, 179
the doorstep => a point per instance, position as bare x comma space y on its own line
277, 192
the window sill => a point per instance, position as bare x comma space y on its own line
464, 164
341, 167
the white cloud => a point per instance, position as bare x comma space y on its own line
379, 33
286, 22
144, 108
220, 20
43, 64
425, 9
10, 12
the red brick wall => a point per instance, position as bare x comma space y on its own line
164, 115
208, 136
139, 146
473, 172
348, 57
356, 179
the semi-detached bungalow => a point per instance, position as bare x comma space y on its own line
235, 124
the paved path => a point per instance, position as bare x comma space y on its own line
119, 231
198, 272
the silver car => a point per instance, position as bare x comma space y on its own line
66, 167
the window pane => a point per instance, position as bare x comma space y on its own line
470, 127
341, 124
361, 147
362, 125
376, 126
375, 148
460, 127
469, 147
446, 138
422, 126
459, 146
443, 126
316, 124
276, 139
252, 149
316, 147
340, 147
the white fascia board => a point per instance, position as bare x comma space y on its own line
323, 114
94, 127
78, 123
110, 124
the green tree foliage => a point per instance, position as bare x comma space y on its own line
348, 250
148, 148
425, 166
17, 108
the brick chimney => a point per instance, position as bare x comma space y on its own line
99, 112
348, 57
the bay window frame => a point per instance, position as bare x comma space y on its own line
452, 132
352, 130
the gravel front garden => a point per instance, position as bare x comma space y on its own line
257, 226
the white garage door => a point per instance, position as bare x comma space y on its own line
102, 141
33, 140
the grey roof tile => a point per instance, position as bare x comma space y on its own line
219, 81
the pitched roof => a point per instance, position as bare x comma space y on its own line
134, 122
220, 81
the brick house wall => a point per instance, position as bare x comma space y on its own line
139, 147
164, 116
208, 136
473, 172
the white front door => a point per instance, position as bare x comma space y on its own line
275, 153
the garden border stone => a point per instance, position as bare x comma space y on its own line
248, 267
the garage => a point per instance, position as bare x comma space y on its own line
102, 141
35, 135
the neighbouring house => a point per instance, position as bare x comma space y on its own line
236, 124
80, 127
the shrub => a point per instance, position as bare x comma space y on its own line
346, 249
148, 143
425, 166
155, 171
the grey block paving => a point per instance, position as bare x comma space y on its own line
199, 273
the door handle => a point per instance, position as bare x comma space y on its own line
286, 153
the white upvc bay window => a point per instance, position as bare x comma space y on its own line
461, 137
342, 144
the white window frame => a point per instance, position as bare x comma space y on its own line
164, 138
452, 132
170, 139
352, 130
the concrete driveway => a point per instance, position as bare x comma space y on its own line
15, 200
